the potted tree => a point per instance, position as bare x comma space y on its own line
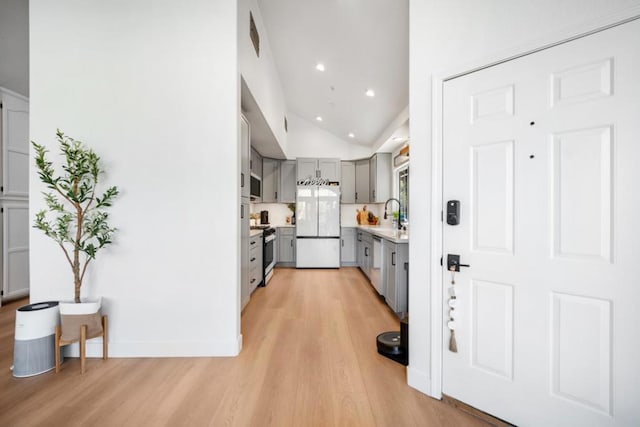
76, 219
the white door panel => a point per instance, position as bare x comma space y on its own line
15, 249
542, 154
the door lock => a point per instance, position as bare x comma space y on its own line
453, 261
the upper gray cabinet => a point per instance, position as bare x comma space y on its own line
287, 193
362, 181
380, 178
256, 163
245, 155
270, 180
348, 182
328, 169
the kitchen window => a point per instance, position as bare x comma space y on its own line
403, 193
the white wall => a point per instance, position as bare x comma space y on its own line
260, 73
305, 139
152, 86
445, 36
14, 45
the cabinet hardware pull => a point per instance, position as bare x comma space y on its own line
366, 252
342, 240
393, 258
242, 180
291, 242
241, 211
253, 259
276, 195
252, 280
253, 243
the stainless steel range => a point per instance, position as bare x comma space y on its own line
268, 256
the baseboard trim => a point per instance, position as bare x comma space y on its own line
419, 380
119, 349
497, 422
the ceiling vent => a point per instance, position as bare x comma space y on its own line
253, 33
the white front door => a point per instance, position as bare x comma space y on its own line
543, 154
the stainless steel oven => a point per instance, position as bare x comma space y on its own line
268, 255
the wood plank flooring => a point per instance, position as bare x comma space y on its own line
309, 359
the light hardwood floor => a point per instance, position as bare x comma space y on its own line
309, 359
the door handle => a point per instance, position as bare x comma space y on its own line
453, 262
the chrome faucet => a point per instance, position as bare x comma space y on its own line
385, 210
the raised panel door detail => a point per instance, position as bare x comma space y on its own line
15, 249
581, 193
492, 327
492, 197
16, 153
493, 103
581, 350
582, 83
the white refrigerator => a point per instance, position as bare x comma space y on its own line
318, 226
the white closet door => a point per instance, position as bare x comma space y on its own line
542, 154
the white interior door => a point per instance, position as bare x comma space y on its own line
542, 154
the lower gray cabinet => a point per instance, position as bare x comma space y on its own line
348, 246
395, 274
286, 245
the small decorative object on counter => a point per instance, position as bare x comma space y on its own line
292, 208
365, 217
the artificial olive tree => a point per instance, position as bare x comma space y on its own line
75, 216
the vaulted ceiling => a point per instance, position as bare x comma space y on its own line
363, 44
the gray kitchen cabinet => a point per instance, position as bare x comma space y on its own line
379, 177
348, 182
244, 252
270, 180
245, 156
286, 246
362, 181
287, 193
347, 246
328, 169
395, 274
256, 163
255, 262
367, 254
306, 168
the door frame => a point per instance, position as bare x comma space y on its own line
437, 116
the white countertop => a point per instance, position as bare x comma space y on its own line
254, 232
391, 234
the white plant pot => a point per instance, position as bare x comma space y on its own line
73, 315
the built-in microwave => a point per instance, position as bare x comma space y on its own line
256, 187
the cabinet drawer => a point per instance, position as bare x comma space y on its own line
255, 277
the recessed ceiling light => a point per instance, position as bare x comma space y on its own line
397, 138
351, 135
320, 66
370, 93
318, 118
